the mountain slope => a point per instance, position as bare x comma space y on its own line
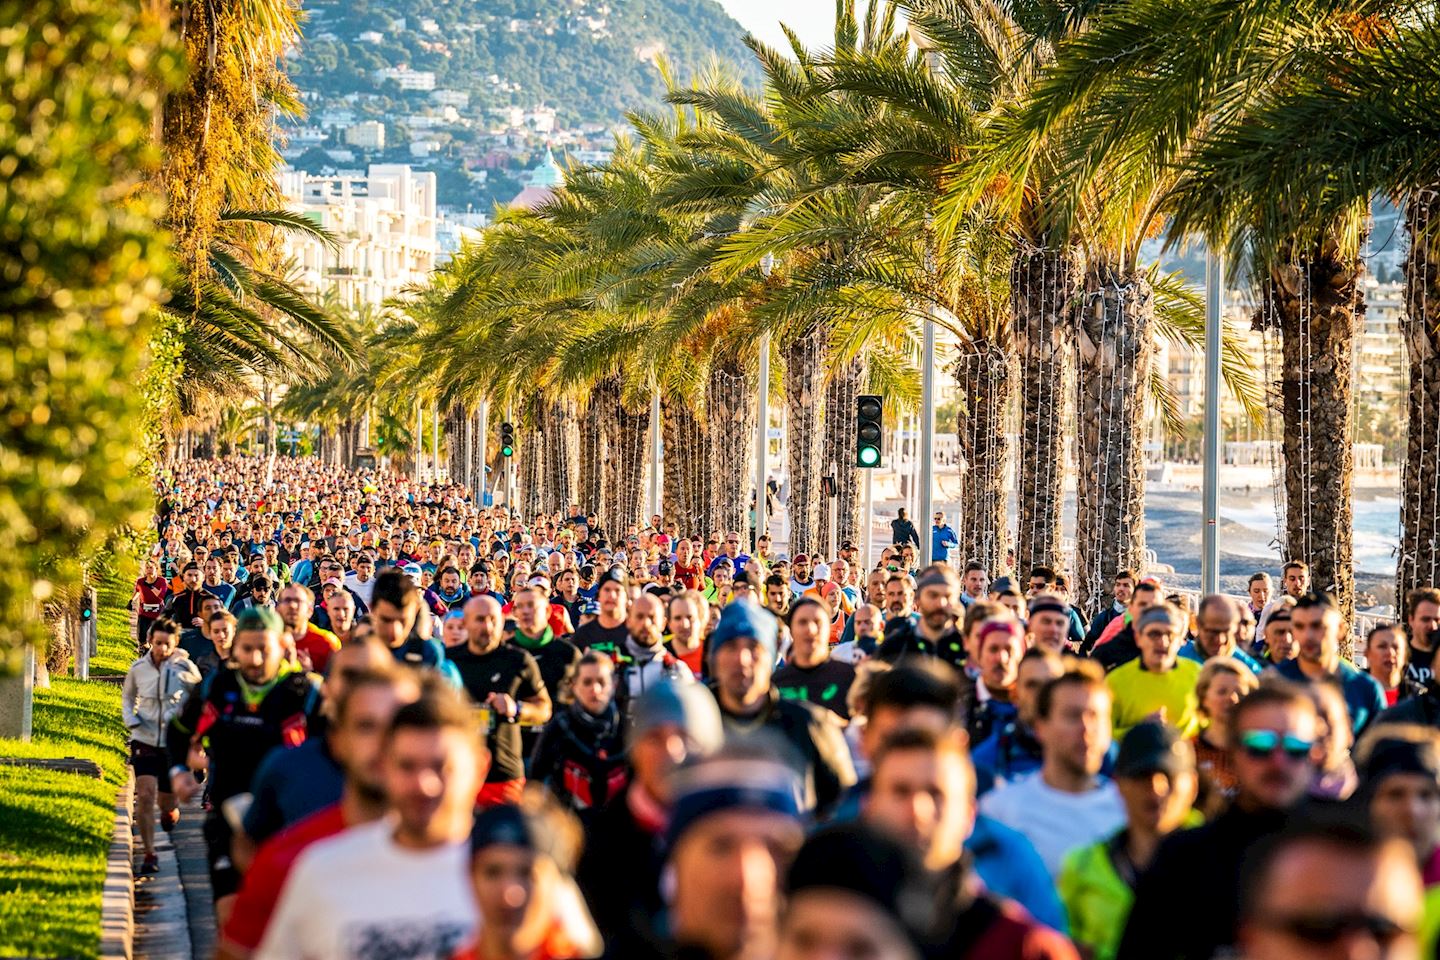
590, 60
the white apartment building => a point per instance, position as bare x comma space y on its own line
367, 135
386, 224
405, 78
1380, 361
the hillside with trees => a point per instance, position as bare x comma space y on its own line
590, 60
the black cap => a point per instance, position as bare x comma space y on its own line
615, 574
665, 566
1152, 747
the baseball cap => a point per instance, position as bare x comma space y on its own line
1152, 747
821, 571
614, 575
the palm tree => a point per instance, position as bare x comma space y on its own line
1117, 111
992, 53
245, 323
1298, 163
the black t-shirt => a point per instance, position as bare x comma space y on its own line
593, 636
556, 659
505, 669
825, 686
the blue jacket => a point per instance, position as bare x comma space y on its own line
1364, 696
942, 541
1009, 867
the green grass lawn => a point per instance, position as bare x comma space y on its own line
55, 828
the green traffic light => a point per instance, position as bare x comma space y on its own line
507, 451
869, 456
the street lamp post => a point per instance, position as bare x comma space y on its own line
655, 447
419, 437
1214, 322
927, 438
925, 500
762, 426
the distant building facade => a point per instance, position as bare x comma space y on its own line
385, 222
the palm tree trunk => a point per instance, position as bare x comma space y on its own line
455, 442
559, 455
684, 463
846, 383
591, 491
625, 466
1114, 331
1317, 303
1042, 292
987, 386
1419, 563
730, 411
805, 359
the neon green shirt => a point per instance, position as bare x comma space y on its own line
1140, 692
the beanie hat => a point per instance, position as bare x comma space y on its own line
860, 860
1396, 754
744, 619
724, 784
259, 618
688, 706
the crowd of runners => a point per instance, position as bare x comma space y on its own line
423, 728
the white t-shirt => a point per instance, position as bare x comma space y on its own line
365, 591
1055, 822
361, 896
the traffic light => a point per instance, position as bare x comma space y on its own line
507, 439
87, 605
869, 420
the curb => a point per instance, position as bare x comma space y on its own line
117, 897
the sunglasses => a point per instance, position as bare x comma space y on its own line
1332, 928
1262, 744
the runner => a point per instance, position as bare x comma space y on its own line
228, 725
505, 681
401, 879
154, 689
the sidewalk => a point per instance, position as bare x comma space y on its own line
174, 915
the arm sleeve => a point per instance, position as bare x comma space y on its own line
546, 756
127, 702
834, 772
531, 683
264, 818
1376, 706
184, 725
